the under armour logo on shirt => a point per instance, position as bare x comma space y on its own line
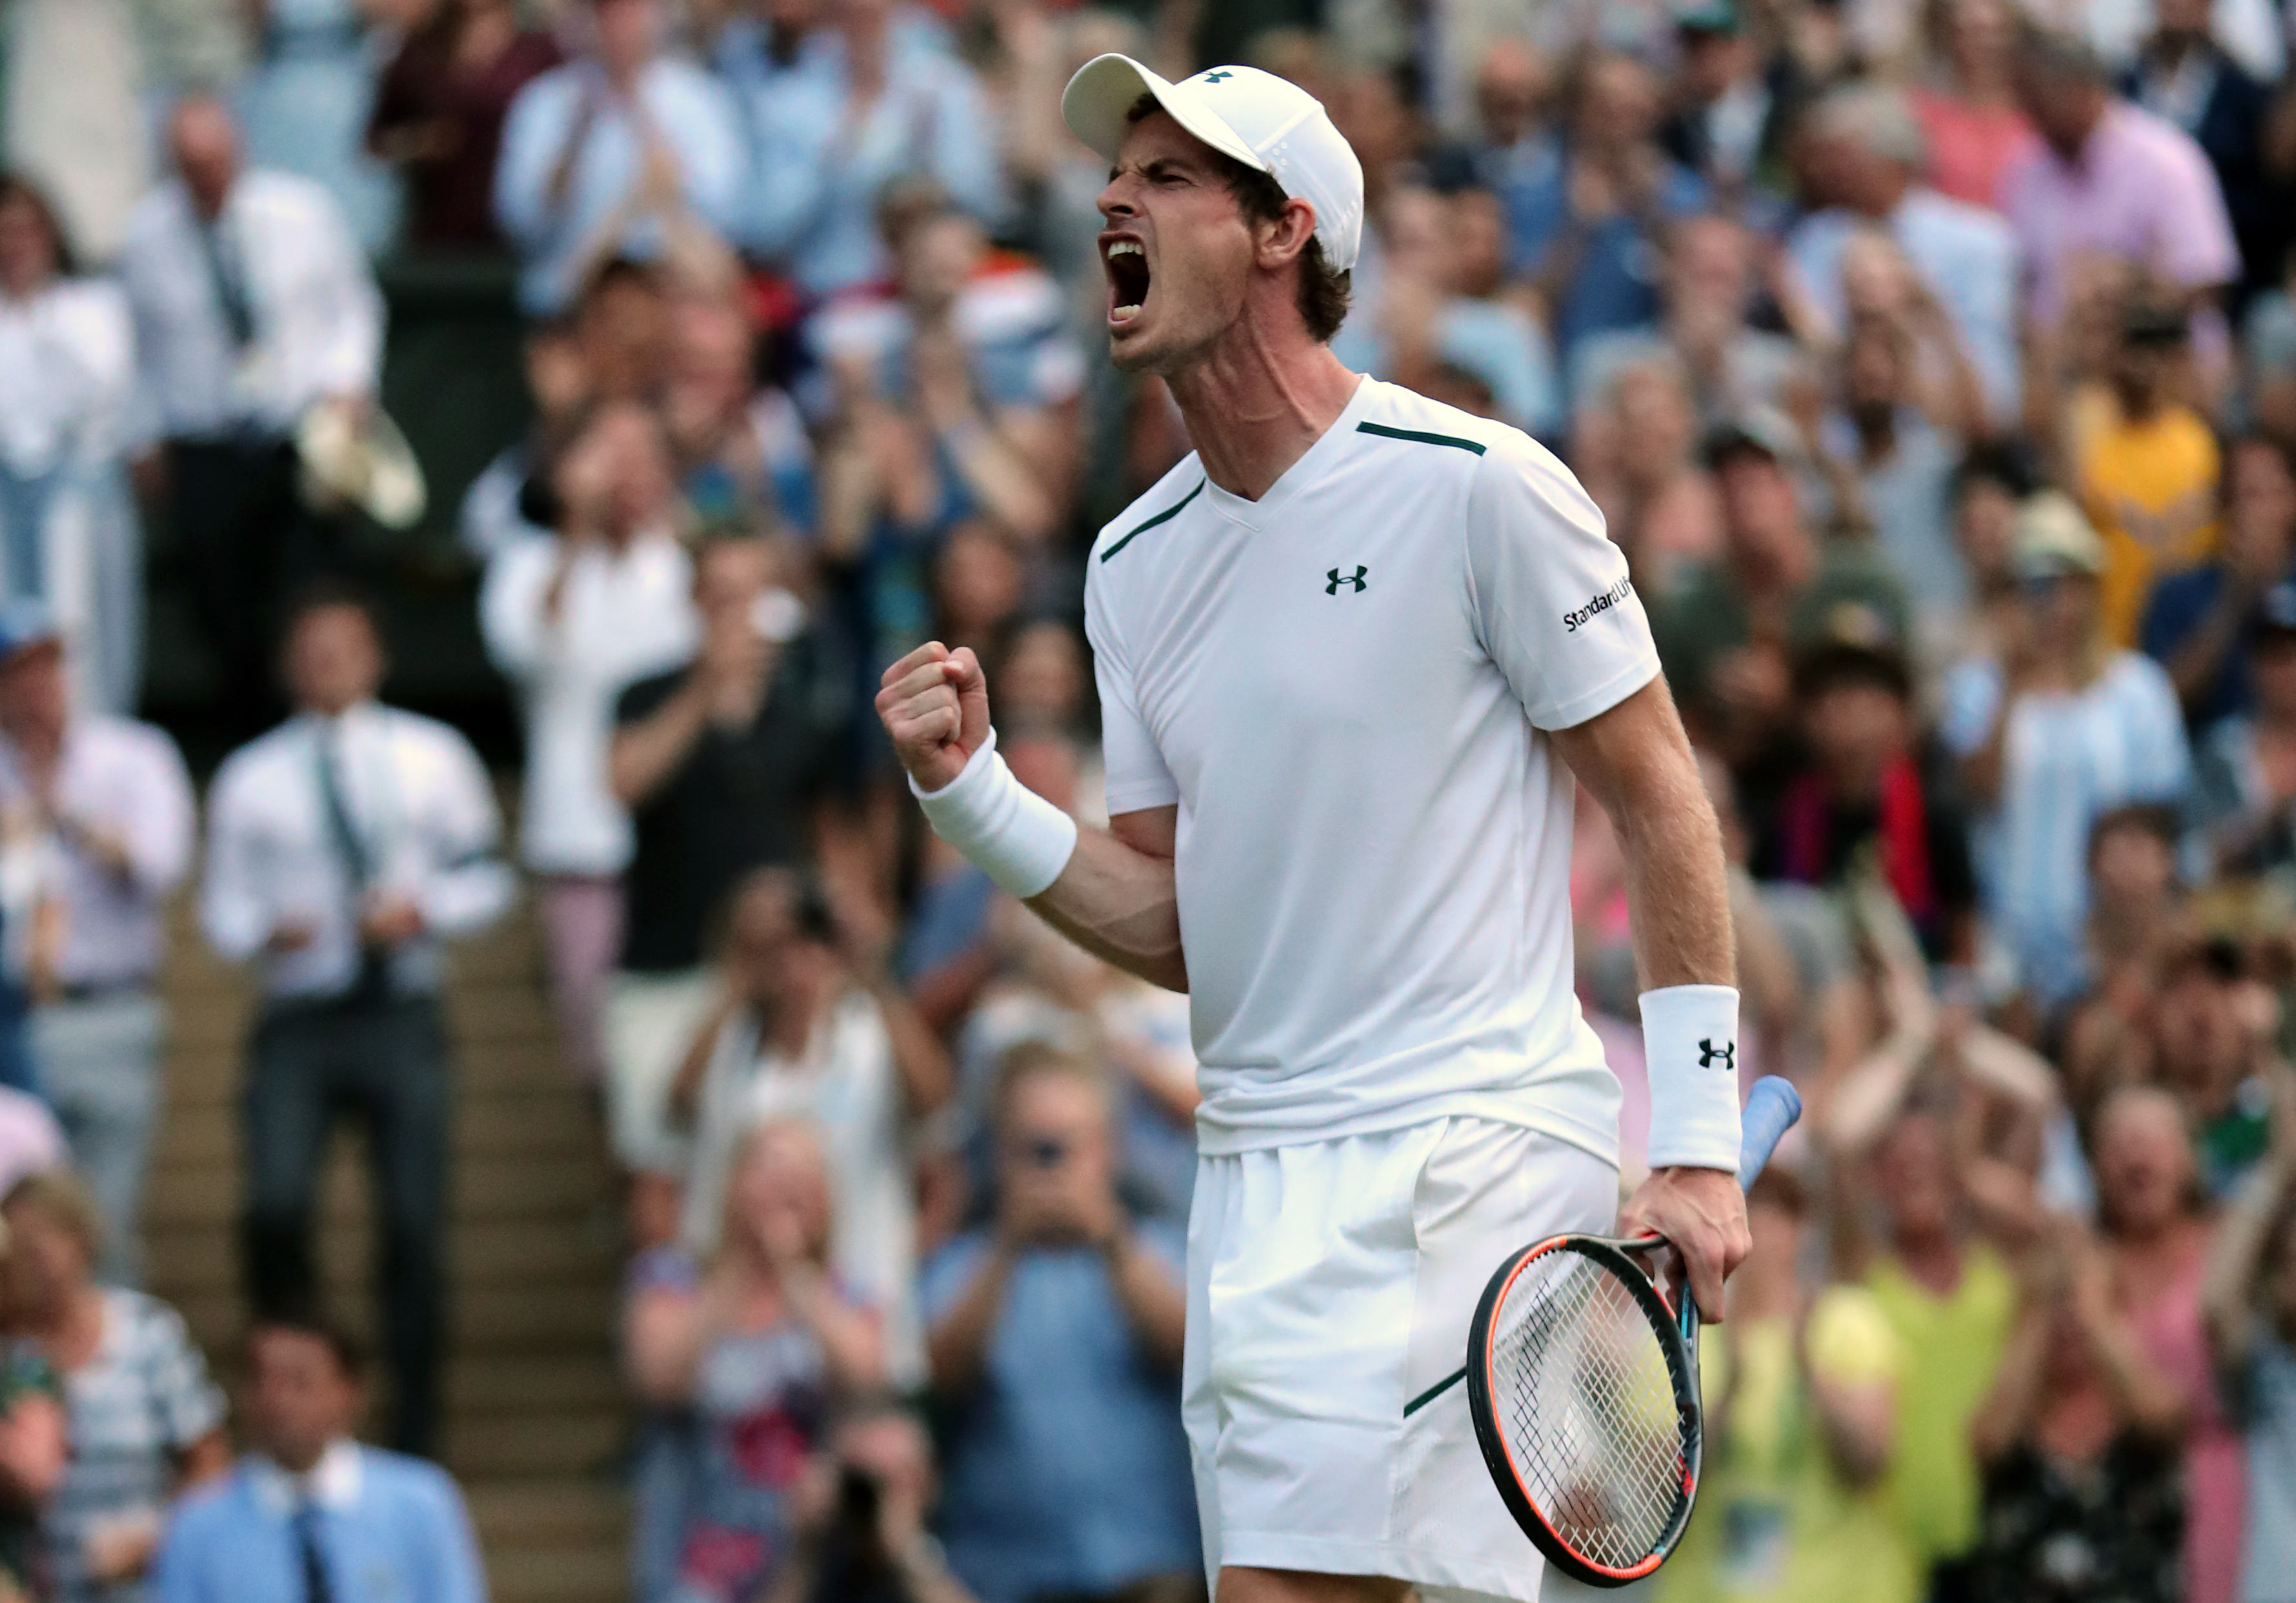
1221, 77
1339, 579
1726, 1055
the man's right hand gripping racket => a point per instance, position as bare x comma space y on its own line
1583, 1386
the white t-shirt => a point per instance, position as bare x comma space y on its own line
849, 1085
1342, 686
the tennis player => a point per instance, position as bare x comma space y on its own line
1352, 654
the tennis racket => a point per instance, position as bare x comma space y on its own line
1583, 1386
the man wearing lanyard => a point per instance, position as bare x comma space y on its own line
342, 847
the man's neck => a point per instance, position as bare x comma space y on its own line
2071, 154
299, 1464
1254, 406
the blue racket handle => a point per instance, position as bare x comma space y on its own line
1772, 1106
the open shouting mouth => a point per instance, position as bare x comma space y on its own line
1127, 279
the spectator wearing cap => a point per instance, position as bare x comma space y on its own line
614, 153
2244, 786
572, 618
2110, 178
343, 848
1584, 231
2147, 475
1867, 151
253, 304
1864, 786
102, 809
1732, 101
2062, 728
2198, 623
1726, 633
874, 95
311, 1515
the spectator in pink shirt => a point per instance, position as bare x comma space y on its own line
2108, 178
1969, 112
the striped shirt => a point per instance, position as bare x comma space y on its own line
2067, 760
144, 1398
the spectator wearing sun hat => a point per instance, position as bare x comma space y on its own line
2061, 728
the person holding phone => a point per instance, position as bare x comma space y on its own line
1054, 1340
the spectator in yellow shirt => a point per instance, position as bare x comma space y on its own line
2148, 476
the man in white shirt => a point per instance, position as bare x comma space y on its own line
252, 304
571, 618
343, 848
103, 809
1344, 651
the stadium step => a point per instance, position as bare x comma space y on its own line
537, 1424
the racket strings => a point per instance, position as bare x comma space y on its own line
1589, 1414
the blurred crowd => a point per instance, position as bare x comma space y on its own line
1933, 361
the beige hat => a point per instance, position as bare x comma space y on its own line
2052, 537
356, 455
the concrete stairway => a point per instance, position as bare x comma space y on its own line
536, 1419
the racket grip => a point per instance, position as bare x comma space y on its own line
1772, 1106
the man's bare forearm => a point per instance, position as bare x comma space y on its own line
1118, 901
1638, 762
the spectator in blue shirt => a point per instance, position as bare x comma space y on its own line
310, 1514
874, 97
1586, 230
615, 153
2198, 621
1054, 1335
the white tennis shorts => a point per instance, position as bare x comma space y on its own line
1329, 1284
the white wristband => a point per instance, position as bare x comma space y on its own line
1015, 836
1690, 1040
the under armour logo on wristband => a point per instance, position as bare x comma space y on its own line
1339, 579
1726, 1055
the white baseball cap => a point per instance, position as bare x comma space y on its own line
1269, 125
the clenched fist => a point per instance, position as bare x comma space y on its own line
935, 705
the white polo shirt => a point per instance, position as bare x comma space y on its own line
1342, 686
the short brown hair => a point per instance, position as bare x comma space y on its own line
1324, 290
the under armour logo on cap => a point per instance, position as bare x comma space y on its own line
1726, 1055
1219, 75
1339, 579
